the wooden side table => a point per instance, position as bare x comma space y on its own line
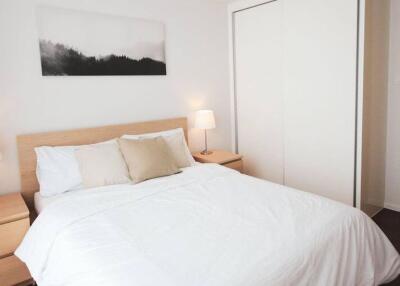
14, 223
224, 158
14, 272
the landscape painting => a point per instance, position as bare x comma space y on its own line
75, 43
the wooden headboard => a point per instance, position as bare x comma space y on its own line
27, 143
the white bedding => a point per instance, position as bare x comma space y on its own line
42, 202
208, 226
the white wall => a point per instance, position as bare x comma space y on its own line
392, 197
197, 64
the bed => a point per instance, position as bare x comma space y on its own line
208, 225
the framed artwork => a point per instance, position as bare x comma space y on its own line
75, 43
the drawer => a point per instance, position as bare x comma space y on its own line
14, 272
11, 235
236, 165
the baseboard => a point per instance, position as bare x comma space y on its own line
393, 207
378, 211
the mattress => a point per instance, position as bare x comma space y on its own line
207, 226
42, 202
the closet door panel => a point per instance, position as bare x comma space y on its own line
258, 89
320, 96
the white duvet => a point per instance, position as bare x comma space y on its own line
208, 226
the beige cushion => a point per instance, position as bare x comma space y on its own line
102, 165
178, 147
175, 140
148, 158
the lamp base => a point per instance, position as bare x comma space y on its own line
206, 152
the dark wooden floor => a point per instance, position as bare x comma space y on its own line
389, 222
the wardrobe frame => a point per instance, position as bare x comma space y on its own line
247, 4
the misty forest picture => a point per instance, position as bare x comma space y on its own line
74, 43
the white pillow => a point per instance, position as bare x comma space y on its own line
57, 169
175, 140
102, 165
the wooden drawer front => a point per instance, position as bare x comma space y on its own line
11, 235
14, 272
236, 165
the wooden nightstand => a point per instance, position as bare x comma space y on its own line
14, 272
224, 158
14, 223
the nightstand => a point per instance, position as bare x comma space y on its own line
14, 272
224, 158
14, 223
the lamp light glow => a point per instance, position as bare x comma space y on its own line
205, 120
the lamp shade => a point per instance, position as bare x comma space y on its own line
204, 119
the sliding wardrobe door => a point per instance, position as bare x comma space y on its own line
257, 35
320, 96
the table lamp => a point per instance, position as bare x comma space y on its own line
205, 120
